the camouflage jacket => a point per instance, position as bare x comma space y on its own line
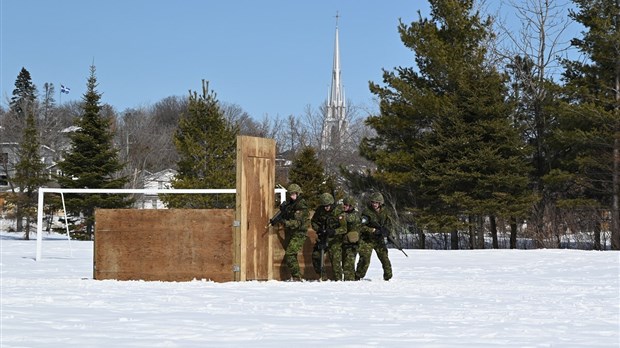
296, 214
373, 219
354, 226
324, 220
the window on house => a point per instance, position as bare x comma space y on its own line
4, 158
3, 180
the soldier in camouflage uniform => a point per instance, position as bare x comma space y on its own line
329, 223
350, 241
377, 224
295, 220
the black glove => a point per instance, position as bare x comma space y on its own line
283, 207
385, 232
381, 232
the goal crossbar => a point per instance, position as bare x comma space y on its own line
43, 190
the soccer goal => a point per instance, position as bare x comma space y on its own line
62, 191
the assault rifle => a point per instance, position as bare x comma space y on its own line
322, 244
384, 232
277, 217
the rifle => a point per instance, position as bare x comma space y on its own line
277, 217
322, 243
384, 233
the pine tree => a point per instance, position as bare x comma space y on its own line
92, 161
206, 144
24, 94
444, 137
29, 173
588, 135
309, 173
23, 102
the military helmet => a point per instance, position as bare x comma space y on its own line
377, 197
294, 188
349, 200
326, 199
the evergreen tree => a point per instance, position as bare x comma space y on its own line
444, 136
22, 103
588, 135
309, 173
29, 173
24, 94
206, 144
92, 161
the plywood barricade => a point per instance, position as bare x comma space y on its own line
165, 244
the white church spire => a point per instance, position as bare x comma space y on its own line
334, 125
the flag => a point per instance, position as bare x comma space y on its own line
64, 89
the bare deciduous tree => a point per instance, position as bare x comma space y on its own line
531, 53
344, 152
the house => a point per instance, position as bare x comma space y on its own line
155, 181
9, 158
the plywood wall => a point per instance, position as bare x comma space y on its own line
165, 245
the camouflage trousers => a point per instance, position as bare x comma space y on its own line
334, 250
367, 245
295, 244
349, 253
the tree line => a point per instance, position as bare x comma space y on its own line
480, 132
487, 132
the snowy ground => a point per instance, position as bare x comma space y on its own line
482, 298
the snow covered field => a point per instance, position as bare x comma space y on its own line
481, 298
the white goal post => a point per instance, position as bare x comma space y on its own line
43, 190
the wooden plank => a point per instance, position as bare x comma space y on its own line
164, 245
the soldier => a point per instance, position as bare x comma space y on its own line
351, 239
295, 219
330, 226
376, 226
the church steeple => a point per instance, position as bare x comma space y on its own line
334, 125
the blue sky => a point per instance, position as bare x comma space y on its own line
269, 57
